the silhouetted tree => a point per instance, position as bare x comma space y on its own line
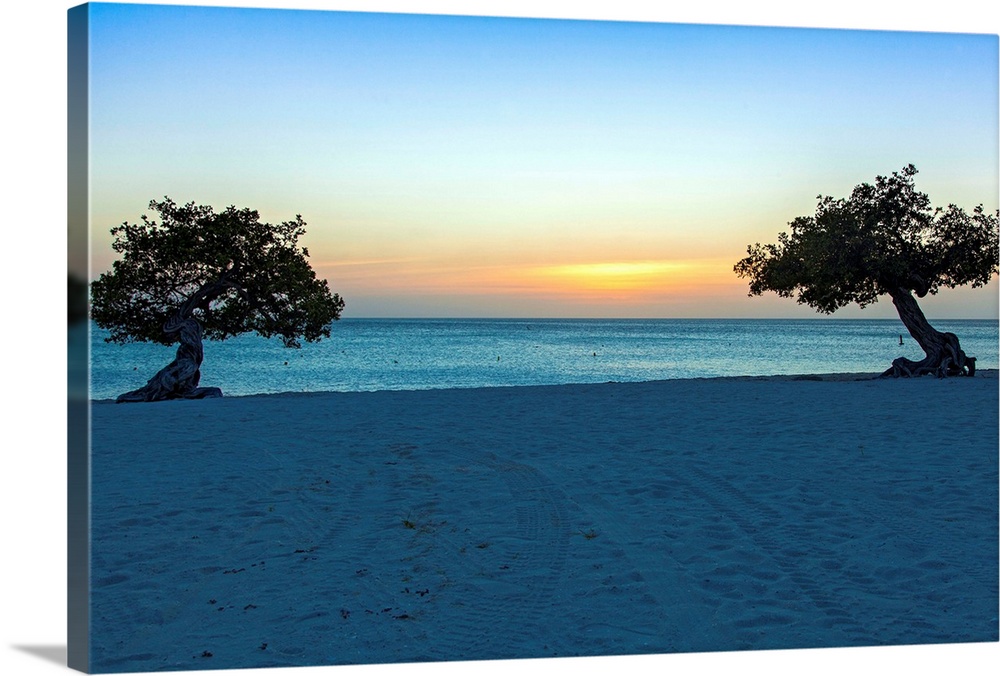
197, 272
885, 239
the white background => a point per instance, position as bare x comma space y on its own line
33, 216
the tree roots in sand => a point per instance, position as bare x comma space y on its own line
178, 379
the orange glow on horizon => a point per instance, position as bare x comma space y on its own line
576, 283
629, 276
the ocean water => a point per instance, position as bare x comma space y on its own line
411, 354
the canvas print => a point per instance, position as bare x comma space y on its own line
418, 338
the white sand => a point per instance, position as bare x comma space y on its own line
696, 515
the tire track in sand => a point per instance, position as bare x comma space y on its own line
758, 521
286, 515
516, 576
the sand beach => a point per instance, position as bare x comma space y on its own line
723, 514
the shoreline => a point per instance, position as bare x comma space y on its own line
370, 358
984, 374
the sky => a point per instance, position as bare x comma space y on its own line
454, 166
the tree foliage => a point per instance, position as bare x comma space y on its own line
229, 271
883, 239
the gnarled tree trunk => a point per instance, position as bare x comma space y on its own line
944, 357
178, 379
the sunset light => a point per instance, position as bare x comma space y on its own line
619, 276
463, 166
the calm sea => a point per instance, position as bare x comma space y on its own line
406, 354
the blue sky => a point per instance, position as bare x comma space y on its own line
452, 166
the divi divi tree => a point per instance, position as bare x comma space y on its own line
196, 273
883, 240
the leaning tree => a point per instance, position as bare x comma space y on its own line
885, 239
199, 273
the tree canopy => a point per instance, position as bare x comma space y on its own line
229, 271
883, 239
